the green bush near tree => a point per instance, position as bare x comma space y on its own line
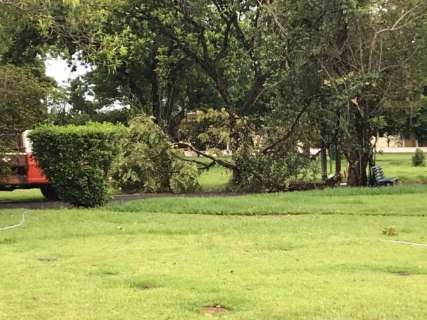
78, 159
419, 159
149, 163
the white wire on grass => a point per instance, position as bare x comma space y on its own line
409, 243
16, 225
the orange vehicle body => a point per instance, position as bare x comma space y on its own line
35, 174
23, 171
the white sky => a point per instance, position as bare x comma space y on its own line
58, 69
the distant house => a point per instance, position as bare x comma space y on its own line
398, 144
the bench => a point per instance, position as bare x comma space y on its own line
380, 180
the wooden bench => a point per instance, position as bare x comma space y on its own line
380, 179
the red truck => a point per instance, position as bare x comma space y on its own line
22, 170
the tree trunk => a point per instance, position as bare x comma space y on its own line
359, 147
156, 99
324, 163
357, 164
338, 162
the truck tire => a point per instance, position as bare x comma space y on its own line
49, 193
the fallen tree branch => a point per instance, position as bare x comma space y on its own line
215, 160
204, 166
221, 162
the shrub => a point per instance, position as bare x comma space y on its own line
150, 164
77, 160
419, 159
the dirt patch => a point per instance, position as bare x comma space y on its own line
47, 259
216, 309
143, 286
110, 273
402, 273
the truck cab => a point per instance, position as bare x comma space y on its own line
20, 168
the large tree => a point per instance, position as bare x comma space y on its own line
22, 101
375, 62
369, 57
133, 64
291, 71
171, 56
24, 86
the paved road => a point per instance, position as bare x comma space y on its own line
40, 204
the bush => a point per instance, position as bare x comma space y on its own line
150, 164
77, 160
419, 159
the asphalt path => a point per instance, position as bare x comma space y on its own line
44, 204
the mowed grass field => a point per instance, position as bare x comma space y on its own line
347, 253
400, 165
260, 259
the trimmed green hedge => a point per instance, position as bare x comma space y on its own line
77, 160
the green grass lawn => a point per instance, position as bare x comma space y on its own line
21, 195
400, 165
392, 201
308, 255
214, 180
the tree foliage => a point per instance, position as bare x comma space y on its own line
22, 101
150, 164
289, 74
24, 87
206, 129
419, 159
365, 57
77, 160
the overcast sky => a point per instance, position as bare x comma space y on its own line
58, 69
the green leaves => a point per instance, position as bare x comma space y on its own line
22, 98
207, 129
150, 164
77, 160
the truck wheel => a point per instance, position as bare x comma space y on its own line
49, 193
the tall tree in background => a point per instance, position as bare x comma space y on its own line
370, 56
169, 55
375, 63
290, 71
134, 64
24, 86
22, 102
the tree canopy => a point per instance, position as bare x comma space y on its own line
289, 74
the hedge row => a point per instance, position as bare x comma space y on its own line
77, 160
